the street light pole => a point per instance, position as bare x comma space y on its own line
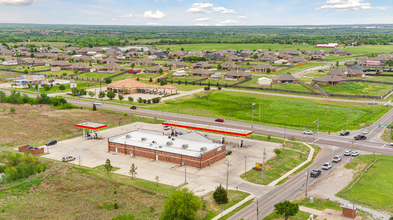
306, 184
325, 119
252, 115
257, 205
228, 164
259, 113
263, 163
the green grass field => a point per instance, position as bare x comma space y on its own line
221, 81
277, 111
183, 79
96, 75
60, 73
285, 86
358, 88
146, 75
299, 216
55, 89
375, 187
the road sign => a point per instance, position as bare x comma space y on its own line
383, 126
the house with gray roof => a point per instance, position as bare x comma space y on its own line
329, 80
237, 74
284, 78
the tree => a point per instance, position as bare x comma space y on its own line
32, 55
389, 62
140, 100
156, 178
337, 63
91, 94
150, 80
133, 169
163, 82
121, 97
286, 209
132, 65
182, 204
94, 107
101, 94
73, 52
111, 95
108, 80
161, 71
219, 66
255, 56
130, 99
220, 195
26, 71
268, 70
108, 167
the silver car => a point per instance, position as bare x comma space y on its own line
347, 153
366, 131
308, 132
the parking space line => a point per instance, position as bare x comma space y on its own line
383, 146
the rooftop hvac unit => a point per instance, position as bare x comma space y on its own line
160, 146
143, 139
184, 146
169, 143
128, 136
203, 149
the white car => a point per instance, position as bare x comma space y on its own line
308, 132
347, 153
336, 159
327, 166
97, 103
366, 131
391, 144
355, 154
166, 127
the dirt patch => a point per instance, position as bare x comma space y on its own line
268, 167
362, 125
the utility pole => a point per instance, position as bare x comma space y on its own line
263, 162
350, 156
347, 119
185, 171
259, 113
257, 205
228, 164
306, 184
325, 119
391, 130
252, 115
301, 149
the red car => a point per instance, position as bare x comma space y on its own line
133, 107
219, 120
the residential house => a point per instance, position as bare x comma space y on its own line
357, 67
84, 58
215, 57
109, 60
200, 64
65, 57
216, 75
229, 66
80, 67
60, 64
263, 68
316, 57
237, 74
329, 80
161, 55
144, 62
297, 60
6, 52
284, 78
111, 68
156, 69
247, 52
339, 52
264, 81
373, 63
230, 50
345, 72
201, 73
179, 73
13, 61
281, 62
35, 62
284, 56
292, 52
224, 52
70, 49
55, 50
235, 58
175, 64
178, 53
24, 54
110, 52
20, 49
382, 58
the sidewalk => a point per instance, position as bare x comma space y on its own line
233, 207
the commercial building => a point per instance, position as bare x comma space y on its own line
329, 45
192, 148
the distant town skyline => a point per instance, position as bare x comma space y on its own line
196, 13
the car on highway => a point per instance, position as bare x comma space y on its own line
315, 173
347, 153
308, 132
366, 131
97, 103
178, 133
68, 158
219, 120
52, 142
360, 137
391, 144
228, 152
133, 107
166, 127
321, 71
355, 153
336, 159
344, 133
326, 166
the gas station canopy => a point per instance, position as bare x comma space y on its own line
210, 128
91, 125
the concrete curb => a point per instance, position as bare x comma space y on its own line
233, 207
310, 155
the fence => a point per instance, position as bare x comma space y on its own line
355, 96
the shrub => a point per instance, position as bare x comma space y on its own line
94, 107
111, 95
12, 110
277, 151
220, 195
148, 101
62, 87
108, 80
219, 88
130, 99
140, 100
137, 79
150, 80
207, 88
163, 82
144, 101
156, 100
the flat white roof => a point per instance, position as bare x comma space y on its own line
158, 141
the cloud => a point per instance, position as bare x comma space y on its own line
242, 17
224, 10
153, 24
157, 15
202, 24
346, 5
202, 19
199, 8
17, 2
129, 16
227, 22
179, 0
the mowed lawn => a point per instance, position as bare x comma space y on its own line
376, 186
278, 111
286, 86
359, 88
96, 75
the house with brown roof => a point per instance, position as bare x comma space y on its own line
55, 50
24, 54
109, 60
80, 67
292, 52
247, 51
201, 73
237, 74
339, 52
229, 66
131, 86
345, 72
235, 58
201, 64
35, 62
316, 57
156, 69
178, 53
60, 64
297, 60
284, 56
329, 80
224, 52
70, 49
230, 50
263, 68
6, 52
176, 64
144, 62
65, 57
13, 61
111, 68
284, 78
215, 57
84, 58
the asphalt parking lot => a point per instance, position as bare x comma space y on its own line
92, 153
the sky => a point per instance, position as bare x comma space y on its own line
197, 13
